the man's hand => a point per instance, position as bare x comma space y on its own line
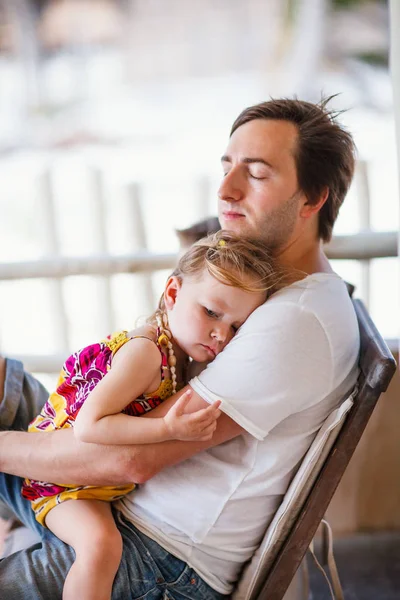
59, 456
191, 427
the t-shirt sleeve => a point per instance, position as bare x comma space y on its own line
279, 363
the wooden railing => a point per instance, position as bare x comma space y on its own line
362, 247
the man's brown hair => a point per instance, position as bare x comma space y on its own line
324, 156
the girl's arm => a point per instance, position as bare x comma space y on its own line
60, 456
134, 370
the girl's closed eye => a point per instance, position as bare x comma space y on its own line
211, 313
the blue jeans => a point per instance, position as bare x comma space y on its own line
147, 571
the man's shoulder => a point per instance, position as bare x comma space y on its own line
318, 309
317, 295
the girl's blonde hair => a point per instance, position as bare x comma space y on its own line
232, 260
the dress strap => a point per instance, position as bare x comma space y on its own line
164, 362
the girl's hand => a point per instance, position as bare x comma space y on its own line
191, 427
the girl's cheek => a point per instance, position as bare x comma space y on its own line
199, 322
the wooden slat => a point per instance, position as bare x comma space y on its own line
372, 245
139, 240
99, 225
363, 245
52, 248
105, 264
364, 209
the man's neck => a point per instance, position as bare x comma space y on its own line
306, 257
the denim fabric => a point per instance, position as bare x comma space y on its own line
147, 571
23, 398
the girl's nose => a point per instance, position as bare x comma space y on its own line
220, 333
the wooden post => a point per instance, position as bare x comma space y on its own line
52, 249
100, 229
203, 193
394, 8
139, 242
364, 207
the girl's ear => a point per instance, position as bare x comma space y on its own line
172, 288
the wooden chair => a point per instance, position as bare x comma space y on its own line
377, 367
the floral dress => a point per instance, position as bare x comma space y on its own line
80, 374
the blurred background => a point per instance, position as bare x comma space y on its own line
113, 118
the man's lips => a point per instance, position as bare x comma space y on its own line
230, 215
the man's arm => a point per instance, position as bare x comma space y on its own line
59, 457
150, 459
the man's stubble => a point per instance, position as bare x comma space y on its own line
277, 226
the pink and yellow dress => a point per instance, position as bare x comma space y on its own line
80, 374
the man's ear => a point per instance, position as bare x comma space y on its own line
308, 209
172, 288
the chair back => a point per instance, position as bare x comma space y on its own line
274, 565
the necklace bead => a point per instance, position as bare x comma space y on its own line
172, 361
164, 339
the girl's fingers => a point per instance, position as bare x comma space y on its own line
216, 404
209, 430
182, 402
211, 412
207, 433
213, 407
206, 417
214, 410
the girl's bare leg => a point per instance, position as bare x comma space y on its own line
88, 526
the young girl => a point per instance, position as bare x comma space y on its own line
104, 388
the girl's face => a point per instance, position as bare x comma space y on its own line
204, 313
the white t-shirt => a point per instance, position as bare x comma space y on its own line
287, 368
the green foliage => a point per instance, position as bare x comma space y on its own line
379, 59
352, 3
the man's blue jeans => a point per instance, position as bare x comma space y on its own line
147, 571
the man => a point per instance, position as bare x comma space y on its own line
204, 506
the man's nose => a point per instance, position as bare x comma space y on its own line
231, 188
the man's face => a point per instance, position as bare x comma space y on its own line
259, 195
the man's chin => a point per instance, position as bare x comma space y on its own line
238, 225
